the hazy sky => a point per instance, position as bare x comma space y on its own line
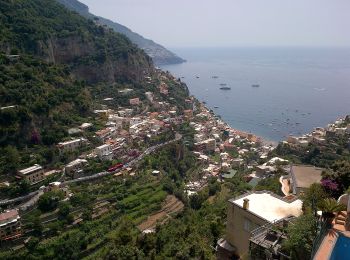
213, 23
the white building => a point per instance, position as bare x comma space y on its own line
75, 168
72, 145
149, 96
10, 225
104, 152
135, 121
85, 126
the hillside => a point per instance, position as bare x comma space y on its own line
38, 101
51, 61
55, 68
158, 53
48, 31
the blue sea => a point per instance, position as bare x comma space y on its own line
299, 88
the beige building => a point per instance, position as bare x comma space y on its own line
163, 89
149, 96
32, 174
303, 176
188, 113
71, 145
210, 145
249, 212
104, 152
10, 225
75, 168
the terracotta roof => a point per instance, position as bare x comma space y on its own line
8, 215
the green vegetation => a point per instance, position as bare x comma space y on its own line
301, 235
330, 206
47, 101
271, 184
333, 155
51, 84
28, 26
49, 201
176, 161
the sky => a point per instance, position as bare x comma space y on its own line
232, 23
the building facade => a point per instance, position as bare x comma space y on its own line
104, 152
10, 225
33, 175
71, 145
248, 213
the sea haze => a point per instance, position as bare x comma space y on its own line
300, 88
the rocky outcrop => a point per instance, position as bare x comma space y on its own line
158, 53
92, 52
83, 57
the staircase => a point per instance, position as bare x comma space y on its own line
341, 218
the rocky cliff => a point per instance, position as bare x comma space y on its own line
158, 53
47, 30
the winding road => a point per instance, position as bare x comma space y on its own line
148, 151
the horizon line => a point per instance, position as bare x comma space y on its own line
262, 46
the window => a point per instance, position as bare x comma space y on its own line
247, 225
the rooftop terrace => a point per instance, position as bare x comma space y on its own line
269, 206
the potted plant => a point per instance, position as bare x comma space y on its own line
329, 208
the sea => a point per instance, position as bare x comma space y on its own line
298, 88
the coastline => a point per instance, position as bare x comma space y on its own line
263, 141
292, 102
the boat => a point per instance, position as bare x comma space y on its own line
216, 107
197, 77
223, 84
225, 88
255, 85
215, 77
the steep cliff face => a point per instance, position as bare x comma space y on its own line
47, 30
158, 53
89, 63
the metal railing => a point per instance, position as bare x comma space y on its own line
322, 231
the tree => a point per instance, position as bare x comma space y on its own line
32, 244
87, 213
125, 253
11, 159
37, 226
49, 201
196, 200
214, 186
301, 235
313, 196
23, 186
330, 205
63, 210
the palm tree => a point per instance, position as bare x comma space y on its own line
329, 207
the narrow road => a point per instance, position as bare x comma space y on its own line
18, 199
97, 175
129, 164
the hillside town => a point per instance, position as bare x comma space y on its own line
129, 133
105, 156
